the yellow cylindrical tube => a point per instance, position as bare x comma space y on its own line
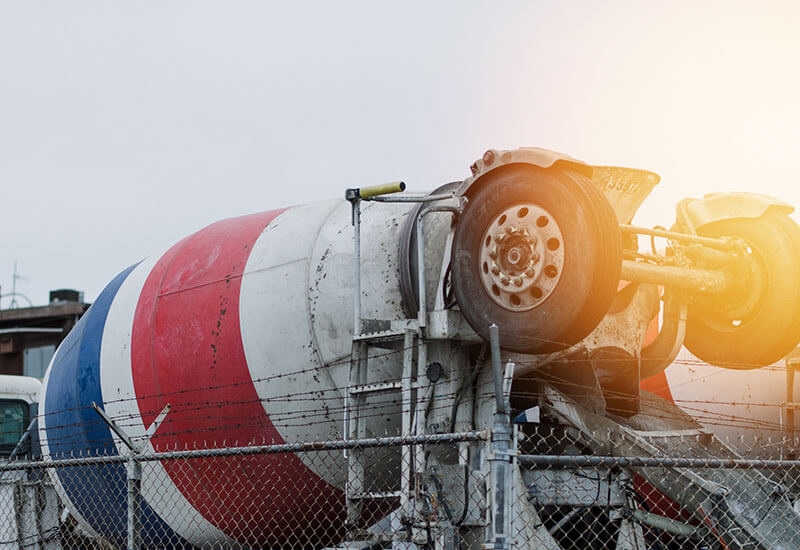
384, 189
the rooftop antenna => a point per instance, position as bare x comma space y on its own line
14, 294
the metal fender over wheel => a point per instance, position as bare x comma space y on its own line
758, 323
537, 252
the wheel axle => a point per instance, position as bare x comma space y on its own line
692, 279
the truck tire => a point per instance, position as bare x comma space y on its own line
538, 253
760, 323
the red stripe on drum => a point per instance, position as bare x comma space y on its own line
187, 352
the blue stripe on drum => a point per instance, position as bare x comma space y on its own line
98, 492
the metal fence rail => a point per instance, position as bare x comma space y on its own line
564, 494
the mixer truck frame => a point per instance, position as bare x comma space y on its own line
519, 292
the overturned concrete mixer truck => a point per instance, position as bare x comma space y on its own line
370, 317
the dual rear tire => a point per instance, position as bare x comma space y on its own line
538, 253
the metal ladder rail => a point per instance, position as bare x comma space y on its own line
356, 396
354, 400
407, 406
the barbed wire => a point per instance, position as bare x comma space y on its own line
304, 417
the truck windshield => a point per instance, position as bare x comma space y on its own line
13, 415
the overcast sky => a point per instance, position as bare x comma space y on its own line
126, 126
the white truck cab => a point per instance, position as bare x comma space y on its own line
18, 400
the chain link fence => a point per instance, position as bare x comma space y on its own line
691, 491
566, 488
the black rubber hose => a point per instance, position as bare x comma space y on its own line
447, 509
469, 383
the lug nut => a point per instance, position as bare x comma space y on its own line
505, 280
493, 253
495, 270
518, 281
534, 258
510, 229
529, 272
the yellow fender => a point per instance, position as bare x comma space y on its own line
693, 214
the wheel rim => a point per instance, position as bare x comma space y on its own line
522, 257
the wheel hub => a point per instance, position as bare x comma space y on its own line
522, 256
728, 312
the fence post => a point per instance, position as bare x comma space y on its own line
133, 473
134, 502
501, 454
